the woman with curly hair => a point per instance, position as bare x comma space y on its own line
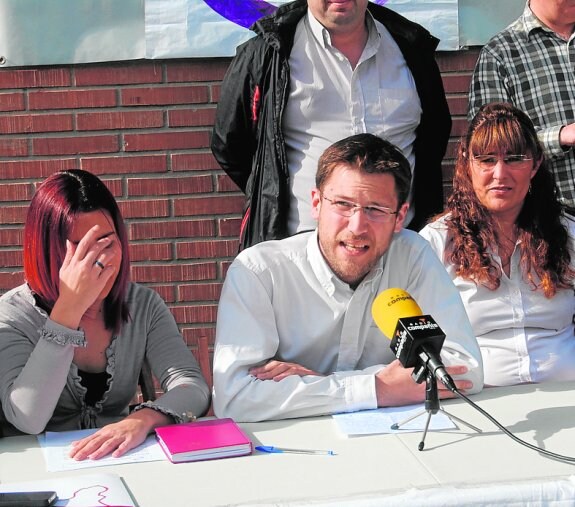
509, 248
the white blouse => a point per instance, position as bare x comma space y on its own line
523, 336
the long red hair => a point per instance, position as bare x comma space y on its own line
545, 257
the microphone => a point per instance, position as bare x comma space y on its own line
416, 339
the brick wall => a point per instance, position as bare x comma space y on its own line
144, 128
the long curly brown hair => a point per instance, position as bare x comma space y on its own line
545, 260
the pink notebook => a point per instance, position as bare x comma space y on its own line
199, 440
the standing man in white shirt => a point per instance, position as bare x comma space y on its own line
316, 72
295, 336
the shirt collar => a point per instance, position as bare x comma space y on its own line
531, 23
328, 279
321, 34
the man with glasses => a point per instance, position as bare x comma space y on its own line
295, 336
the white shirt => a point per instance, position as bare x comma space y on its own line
328, 101
523, 336
281, 300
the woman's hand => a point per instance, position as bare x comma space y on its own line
278, 370
82, 279
118, 438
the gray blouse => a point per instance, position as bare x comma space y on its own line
40, 387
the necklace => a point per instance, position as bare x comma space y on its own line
510, 239
506, 251
506, 247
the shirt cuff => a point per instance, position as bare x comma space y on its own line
549, 137
360, 393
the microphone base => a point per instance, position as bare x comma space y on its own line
432, 406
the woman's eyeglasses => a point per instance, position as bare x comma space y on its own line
490, 161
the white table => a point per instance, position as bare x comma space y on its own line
456, 466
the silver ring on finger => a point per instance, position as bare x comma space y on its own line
99, 264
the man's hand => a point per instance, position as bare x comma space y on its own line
278, 370
394, 385
567, 135
118, 438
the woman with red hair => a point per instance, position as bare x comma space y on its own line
509, 248
74, 337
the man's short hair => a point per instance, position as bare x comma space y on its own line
370, 154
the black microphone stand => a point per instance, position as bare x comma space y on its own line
432, 406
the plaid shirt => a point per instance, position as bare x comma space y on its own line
531, 67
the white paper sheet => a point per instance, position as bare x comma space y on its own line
369, 422
56, 446
80, 490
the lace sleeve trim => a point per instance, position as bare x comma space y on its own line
61, 335
178, 418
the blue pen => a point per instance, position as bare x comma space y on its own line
272, 449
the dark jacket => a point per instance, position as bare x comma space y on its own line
248, 141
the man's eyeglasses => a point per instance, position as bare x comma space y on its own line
373, 213
490, 161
